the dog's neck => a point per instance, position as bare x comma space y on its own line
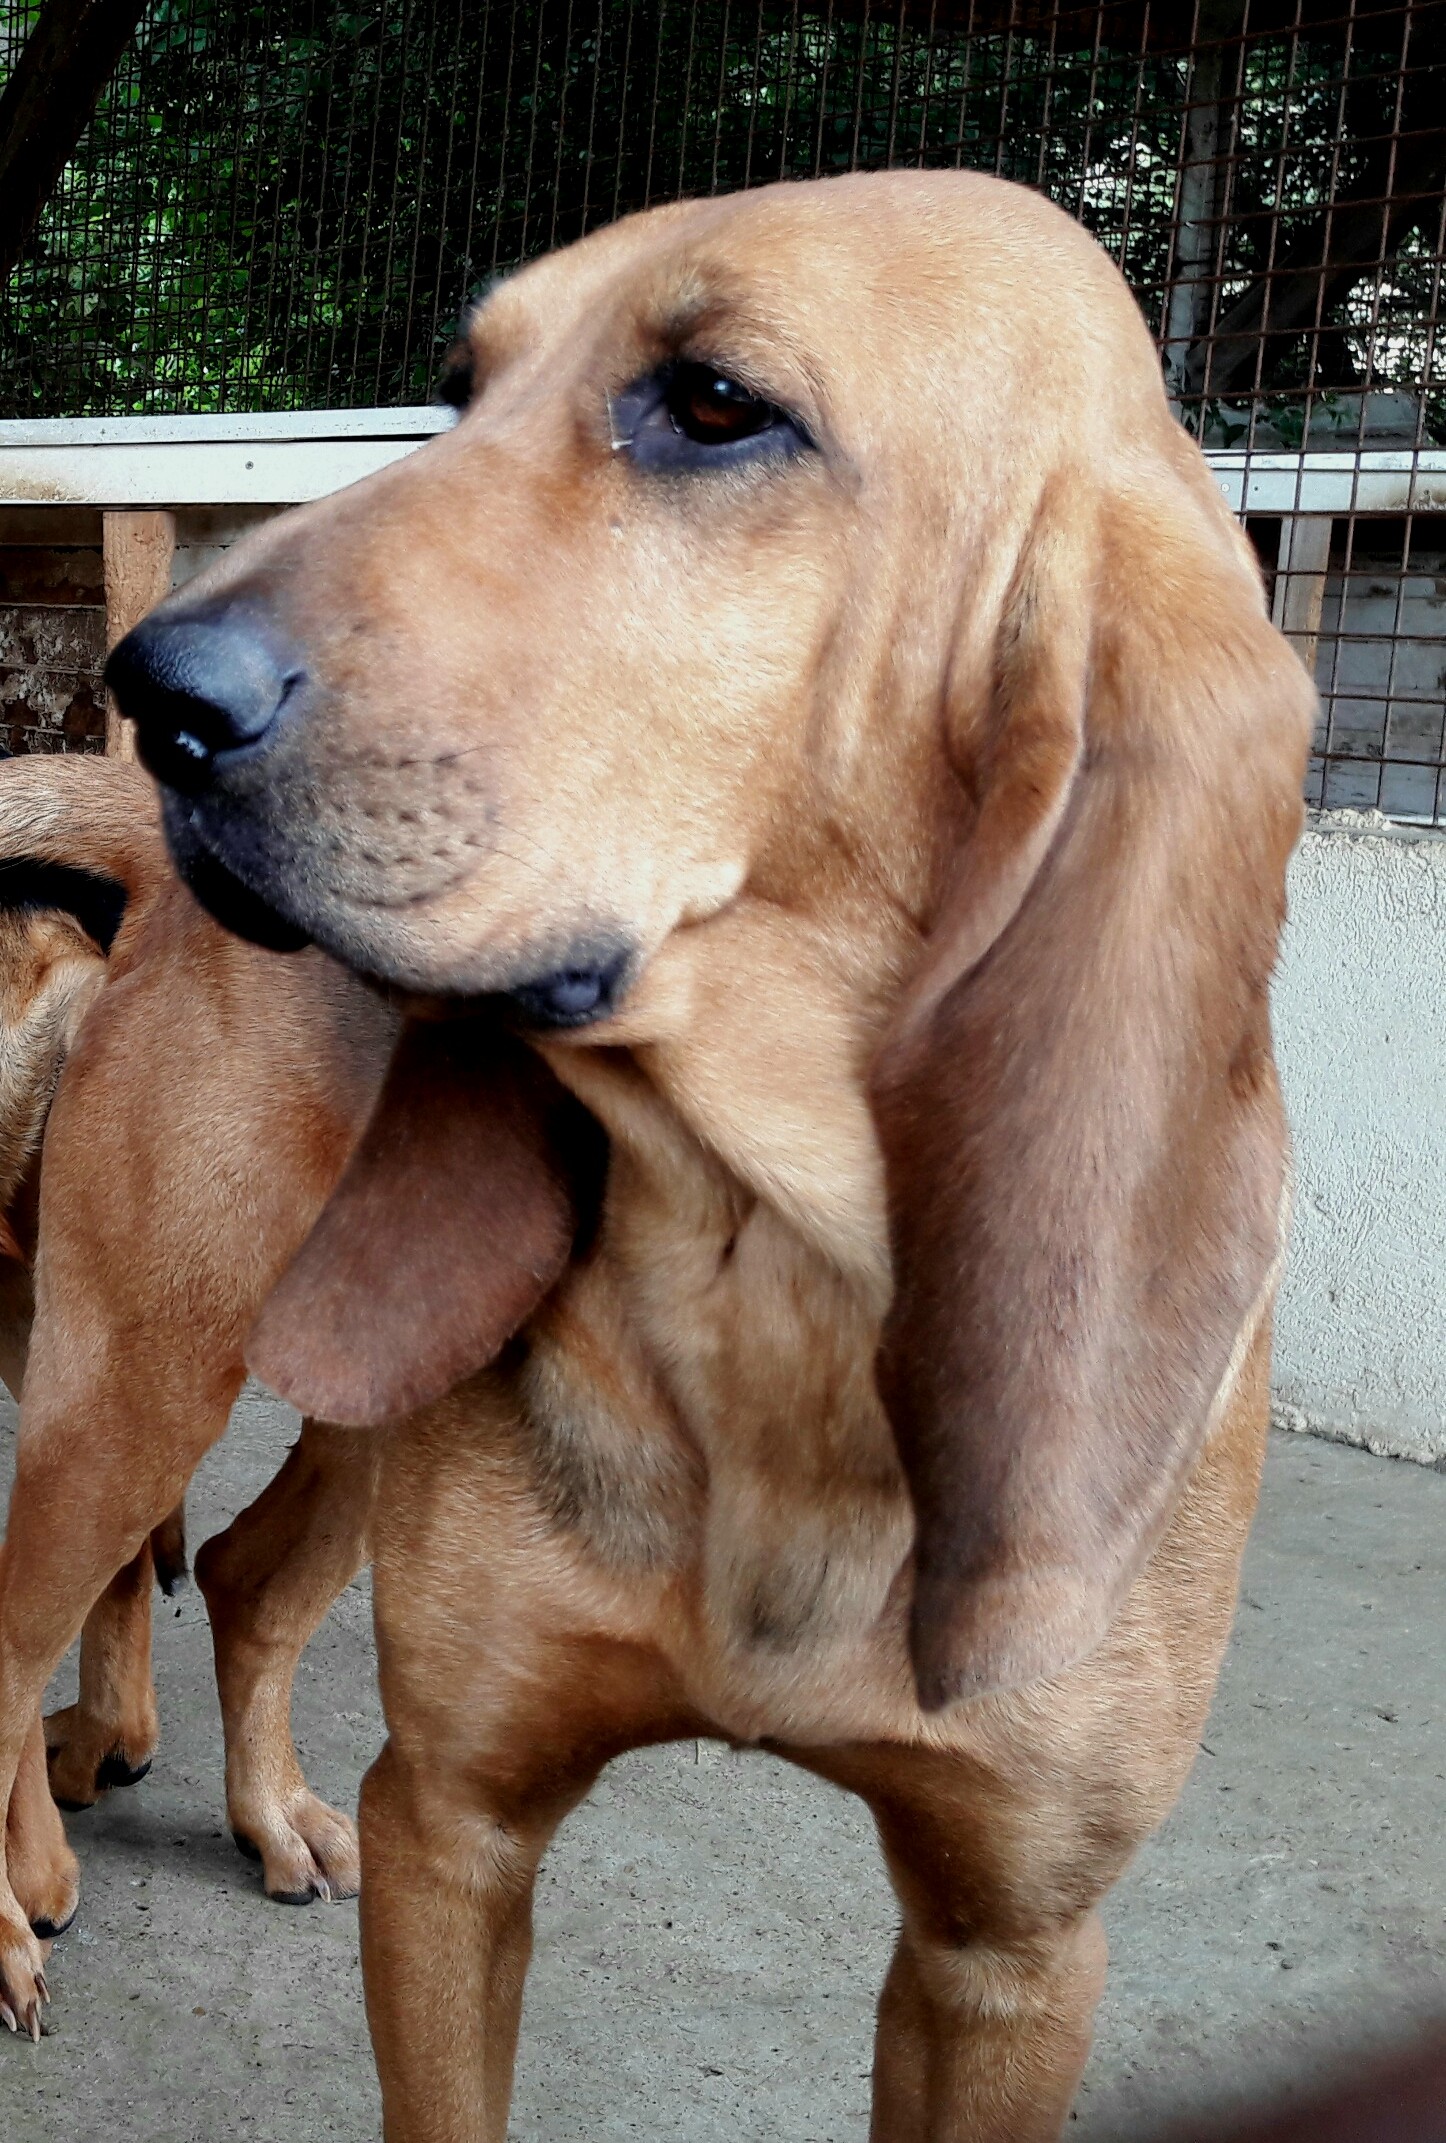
735, 1295
755, 1029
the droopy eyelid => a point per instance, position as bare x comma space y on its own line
709, 343
640, 425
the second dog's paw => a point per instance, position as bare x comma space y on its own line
46, 1880
87, 1757
23, 1992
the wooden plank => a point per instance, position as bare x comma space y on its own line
138, 552
220, 472
1300, 577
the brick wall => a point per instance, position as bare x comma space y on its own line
52, 629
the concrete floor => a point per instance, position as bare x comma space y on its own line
712, 1930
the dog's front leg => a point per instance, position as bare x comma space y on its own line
983, 2045
41, 1866
998, 1860
512, 1670
93, 1474
108, 1736
446, 1939
29, 1836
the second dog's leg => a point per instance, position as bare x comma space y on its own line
202, 1121
42, 1868
268, 1581
91, 1480
108, 1736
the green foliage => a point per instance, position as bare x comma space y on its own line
284, 203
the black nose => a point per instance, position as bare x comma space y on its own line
198, 686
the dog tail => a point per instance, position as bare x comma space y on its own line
83, 834
168, 1551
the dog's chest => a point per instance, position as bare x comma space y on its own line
701, 1402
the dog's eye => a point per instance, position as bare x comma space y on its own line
688, 415
713, 410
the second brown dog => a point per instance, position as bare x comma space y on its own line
208, 1104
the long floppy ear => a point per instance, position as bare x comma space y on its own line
455, 1216
1085, 1146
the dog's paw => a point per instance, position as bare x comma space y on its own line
87, 1756
45, 1877
306, 1849
23, 1992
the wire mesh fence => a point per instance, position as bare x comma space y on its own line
284, 204
1381, 668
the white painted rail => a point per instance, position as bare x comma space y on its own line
279, 460
1374, 480
245, 460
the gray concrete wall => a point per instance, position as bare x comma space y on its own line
1360, 1012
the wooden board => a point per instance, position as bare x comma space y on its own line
1388, 480
1300, 578
138, 548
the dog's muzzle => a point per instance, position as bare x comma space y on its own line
215, 692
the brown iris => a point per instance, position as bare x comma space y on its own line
712, 409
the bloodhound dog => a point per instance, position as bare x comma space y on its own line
197, 1099
809, 753
58, 921
51, 966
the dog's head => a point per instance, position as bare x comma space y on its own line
837, 526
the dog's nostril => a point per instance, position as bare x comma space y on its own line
198, 686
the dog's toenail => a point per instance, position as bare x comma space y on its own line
117, 1770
